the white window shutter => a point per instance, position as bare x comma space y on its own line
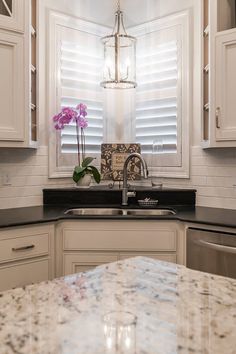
80, 72
157, 100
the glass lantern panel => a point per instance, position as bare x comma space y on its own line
120, 63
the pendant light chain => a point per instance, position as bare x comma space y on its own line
118, 5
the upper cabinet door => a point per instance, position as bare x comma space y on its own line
12, 15
226, 86
12, 86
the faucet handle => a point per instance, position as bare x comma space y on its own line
131, 194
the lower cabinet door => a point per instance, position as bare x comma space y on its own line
81, 262
166, 257
25, 273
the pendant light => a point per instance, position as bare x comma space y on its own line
119, 56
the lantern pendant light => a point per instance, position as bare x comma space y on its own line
119, 56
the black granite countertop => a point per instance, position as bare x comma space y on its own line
57, 201
53, 213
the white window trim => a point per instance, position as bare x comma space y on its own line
182, 19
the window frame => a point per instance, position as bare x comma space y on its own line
181, 19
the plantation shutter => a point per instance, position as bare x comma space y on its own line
158, 98
80, 63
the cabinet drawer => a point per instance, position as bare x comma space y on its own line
135, 236
171, 257
75, 263
24, 247
22, 274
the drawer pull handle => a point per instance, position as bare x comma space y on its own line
217, 247
218, 117
24, 248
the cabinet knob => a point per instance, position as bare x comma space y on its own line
218, 117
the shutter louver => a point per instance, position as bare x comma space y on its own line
156, 103
79, 75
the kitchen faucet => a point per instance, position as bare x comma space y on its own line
125, 192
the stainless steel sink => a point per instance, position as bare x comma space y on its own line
122, 212
94, 211
150, 212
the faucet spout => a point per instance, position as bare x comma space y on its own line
125, 193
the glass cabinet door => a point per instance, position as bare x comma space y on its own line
6, 8
12, 15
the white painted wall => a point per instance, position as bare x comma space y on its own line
213, 173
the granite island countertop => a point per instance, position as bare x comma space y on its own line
178, 310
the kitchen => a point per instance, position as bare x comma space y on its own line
177, 118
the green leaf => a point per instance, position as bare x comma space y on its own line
95, 173
77, 176
87, 161
79, 169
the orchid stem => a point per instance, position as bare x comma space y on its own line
78, 142
83, 143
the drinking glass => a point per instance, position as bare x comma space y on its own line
156, 161
120, 332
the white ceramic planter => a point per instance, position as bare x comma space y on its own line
84, 182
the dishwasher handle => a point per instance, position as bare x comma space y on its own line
216, 246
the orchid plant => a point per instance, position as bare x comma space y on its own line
78, 115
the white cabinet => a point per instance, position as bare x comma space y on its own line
18, 73
165, 257
26, 255
219, 74
84, 261
226, 86
24, 273
82, 245
12, 87
120, 235
81, 262
12, 15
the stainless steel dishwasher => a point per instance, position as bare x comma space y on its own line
212, 252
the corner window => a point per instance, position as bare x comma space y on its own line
158, 111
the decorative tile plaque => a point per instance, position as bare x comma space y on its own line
113, 157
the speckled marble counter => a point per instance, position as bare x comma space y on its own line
178, 311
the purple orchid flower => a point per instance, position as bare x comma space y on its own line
68, 115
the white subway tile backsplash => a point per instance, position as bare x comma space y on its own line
27, 172
221, 181
24, 170
200, 160
17, 202
196, 171
223, 171
217, 192
193, 181
213, 174
196, 151
12, 192
226, 203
